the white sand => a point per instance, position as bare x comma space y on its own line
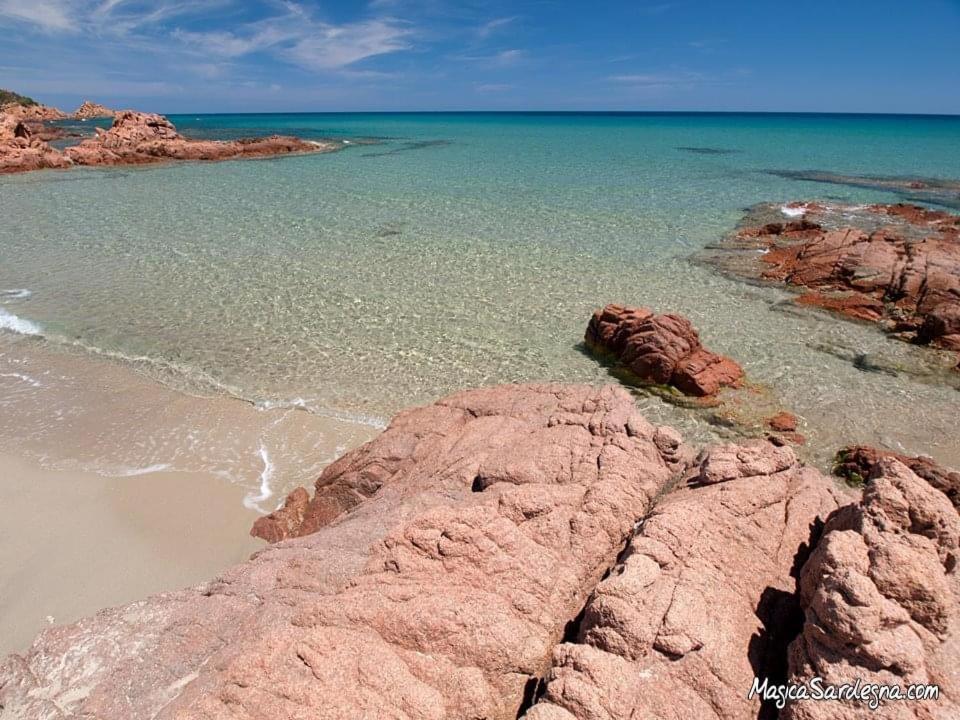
72, 543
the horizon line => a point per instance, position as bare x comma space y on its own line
570, 112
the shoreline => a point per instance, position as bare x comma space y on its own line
115, 486
104, 541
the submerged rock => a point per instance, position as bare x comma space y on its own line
481, 525
880, 593
660, 349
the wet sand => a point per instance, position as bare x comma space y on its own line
74, 542
114, 486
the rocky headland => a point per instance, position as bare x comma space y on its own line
134, 138
537, 551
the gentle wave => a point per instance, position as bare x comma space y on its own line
201, 381
15, 294
299, 403
9, 321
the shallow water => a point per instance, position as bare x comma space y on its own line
461, 250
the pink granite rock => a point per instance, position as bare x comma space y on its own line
21, 150
703, 599
137, 138
660, 349
881, 594
485, 521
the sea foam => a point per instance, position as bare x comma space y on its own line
9, 321
252, 501
15, 294
793, 211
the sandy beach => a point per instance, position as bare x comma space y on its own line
114, 486
75, 542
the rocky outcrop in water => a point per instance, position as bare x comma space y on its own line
89, 110
20, 150
896, 265
660, 349
880, 593
136, 138
441, 595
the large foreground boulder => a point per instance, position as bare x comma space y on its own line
881, 594
482, 524
703, 600
660, 349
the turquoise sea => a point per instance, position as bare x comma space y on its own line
444, 251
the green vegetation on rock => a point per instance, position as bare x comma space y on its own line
8, 96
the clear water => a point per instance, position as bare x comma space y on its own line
464, 249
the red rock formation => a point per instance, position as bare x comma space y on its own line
90, 110
899, 266
702, 601
858, 462
32, 113
488, 519
137, 138
881, 594
660, 349
21, 151
783, 422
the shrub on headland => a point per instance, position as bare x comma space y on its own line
8, 97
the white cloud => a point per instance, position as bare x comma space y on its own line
290, 33
327, 47
50, 15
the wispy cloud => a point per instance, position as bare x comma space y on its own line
493, 87
328, 47
48, 15
289, 33
489, 28
503, 58
660, 79
297, 38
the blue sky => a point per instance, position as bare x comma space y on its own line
274, 55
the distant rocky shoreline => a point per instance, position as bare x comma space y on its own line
134, 138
